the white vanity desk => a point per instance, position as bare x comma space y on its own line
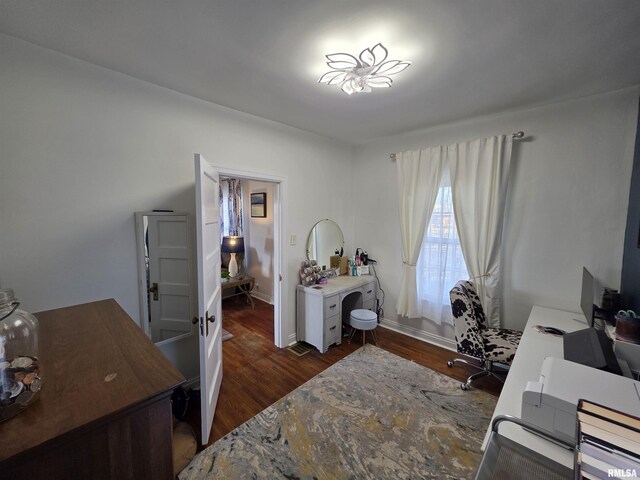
320, 309
532, 350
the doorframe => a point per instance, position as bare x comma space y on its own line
279, 256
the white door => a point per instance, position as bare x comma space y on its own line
209, 308
169, 303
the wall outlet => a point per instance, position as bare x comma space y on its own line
294, 239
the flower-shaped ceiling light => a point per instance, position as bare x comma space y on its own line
355, 75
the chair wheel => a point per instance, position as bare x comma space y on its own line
449, 363
464, 386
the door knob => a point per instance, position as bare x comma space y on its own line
210, 319
195, 320
154, 290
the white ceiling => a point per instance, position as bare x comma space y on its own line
470, 57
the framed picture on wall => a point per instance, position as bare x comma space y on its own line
259, 205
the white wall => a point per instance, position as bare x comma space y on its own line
259, 247
567, 205
83, 147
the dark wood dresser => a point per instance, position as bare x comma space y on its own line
104, 411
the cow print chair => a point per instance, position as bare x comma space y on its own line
473, 338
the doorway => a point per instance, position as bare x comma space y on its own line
266, 243
165, 275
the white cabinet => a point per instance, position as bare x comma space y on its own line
322, 309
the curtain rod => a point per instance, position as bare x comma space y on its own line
516, 136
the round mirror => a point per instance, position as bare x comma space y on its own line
325, 238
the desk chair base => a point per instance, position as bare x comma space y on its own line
486, 368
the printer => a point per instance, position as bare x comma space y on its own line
551, 403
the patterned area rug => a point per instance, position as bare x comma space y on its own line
370, 415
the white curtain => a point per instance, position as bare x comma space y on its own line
419, 174
479, 179
441, 263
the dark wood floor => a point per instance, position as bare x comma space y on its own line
257, 373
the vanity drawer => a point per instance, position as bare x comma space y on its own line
368, 292
332, 332
331, 306
370, 305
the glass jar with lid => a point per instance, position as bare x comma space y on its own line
20, 380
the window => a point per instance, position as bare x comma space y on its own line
440, 264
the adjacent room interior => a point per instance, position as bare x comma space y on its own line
242, 225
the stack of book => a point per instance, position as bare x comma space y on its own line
608, 443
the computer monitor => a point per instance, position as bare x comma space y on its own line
587, 296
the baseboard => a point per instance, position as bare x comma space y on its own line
263, 297
419, 334
291, 339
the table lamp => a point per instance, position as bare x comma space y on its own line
233, 245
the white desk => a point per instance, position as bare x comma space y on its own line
321, 309
534, 347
